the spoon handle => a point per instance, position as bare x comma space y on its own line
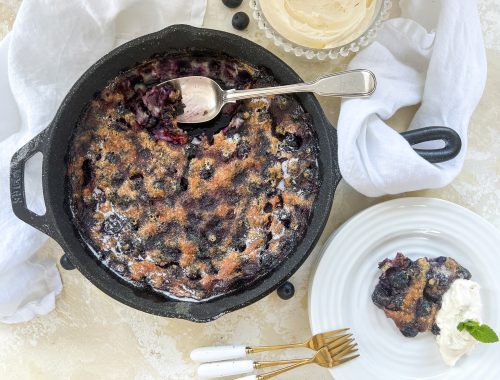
352, 83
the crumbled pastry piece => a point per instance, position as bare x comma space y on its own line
410, 292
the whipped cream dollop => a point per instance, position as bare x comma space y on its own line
461, 302
319, 24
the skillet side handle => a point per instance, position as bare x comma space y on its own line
17, 189
451, 139
18, 194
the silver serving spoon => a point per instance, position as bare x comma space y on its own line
203, 98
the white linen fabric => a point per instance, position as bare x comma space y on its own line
434, 55
51, 44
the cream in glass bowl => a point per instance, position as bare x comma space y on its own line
320, 29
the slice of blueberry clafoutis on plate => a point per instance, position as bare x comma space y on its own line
434, 295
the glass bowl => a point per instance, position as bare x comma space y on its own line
381, 14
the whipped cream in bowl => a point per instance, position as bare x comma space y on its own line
322, 28
461, 302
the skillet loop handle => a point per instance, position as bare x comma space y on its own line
18, 194
17, 189
451, 139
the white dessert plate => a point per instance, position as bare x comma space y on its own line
347, 271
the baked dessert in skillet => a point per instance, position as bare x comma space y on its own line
410, 292
191, 216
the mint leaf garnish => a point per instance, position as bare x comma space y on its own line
482, 333
469, 325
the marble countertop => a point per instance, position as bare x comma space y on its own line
91, 336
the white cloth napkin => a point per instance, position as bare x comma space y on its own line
433, 55
51, 44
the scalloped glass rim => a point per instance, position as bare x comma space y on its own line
321, 54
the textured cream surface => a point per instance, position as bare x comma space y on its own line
91, 336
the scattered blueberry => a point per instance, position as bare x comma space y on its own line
232, 3
183, 184
207, 172
291, 142
87, 171
268, 207
435, 329
240, 20
286, 291
381, 297
409, 331
398, 279
242, 150
396, 302
424, 308
112, 225
284, 217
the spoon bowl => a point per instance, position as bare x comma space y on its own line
202, 98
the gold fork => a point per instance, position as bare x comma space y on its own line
217, 353
326, 356
314, 343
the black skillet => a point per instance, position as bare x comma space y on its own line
52, 143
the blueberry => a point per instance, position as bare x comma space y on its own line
381, 296
268, 207
286, 291
190, 150
183, 184
435, 329
291, 142
112, 225
267, 260
88, 172
463, 273
193, 274
206, 172
398, 279
409, 331
271, 191
232, 3
424, 308
151, 123
144, 154
159, 184
240, 20
137, 181
242, 150
440, 260
432, 296
113, 158
396, 302
172, 253
284, 218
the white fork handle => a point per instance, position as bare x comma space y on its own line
223, 369
218, 353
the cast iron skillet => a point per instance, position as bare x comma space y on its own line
52, 143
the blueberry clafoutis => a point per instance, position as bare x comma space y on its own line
410, 292
191, 216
